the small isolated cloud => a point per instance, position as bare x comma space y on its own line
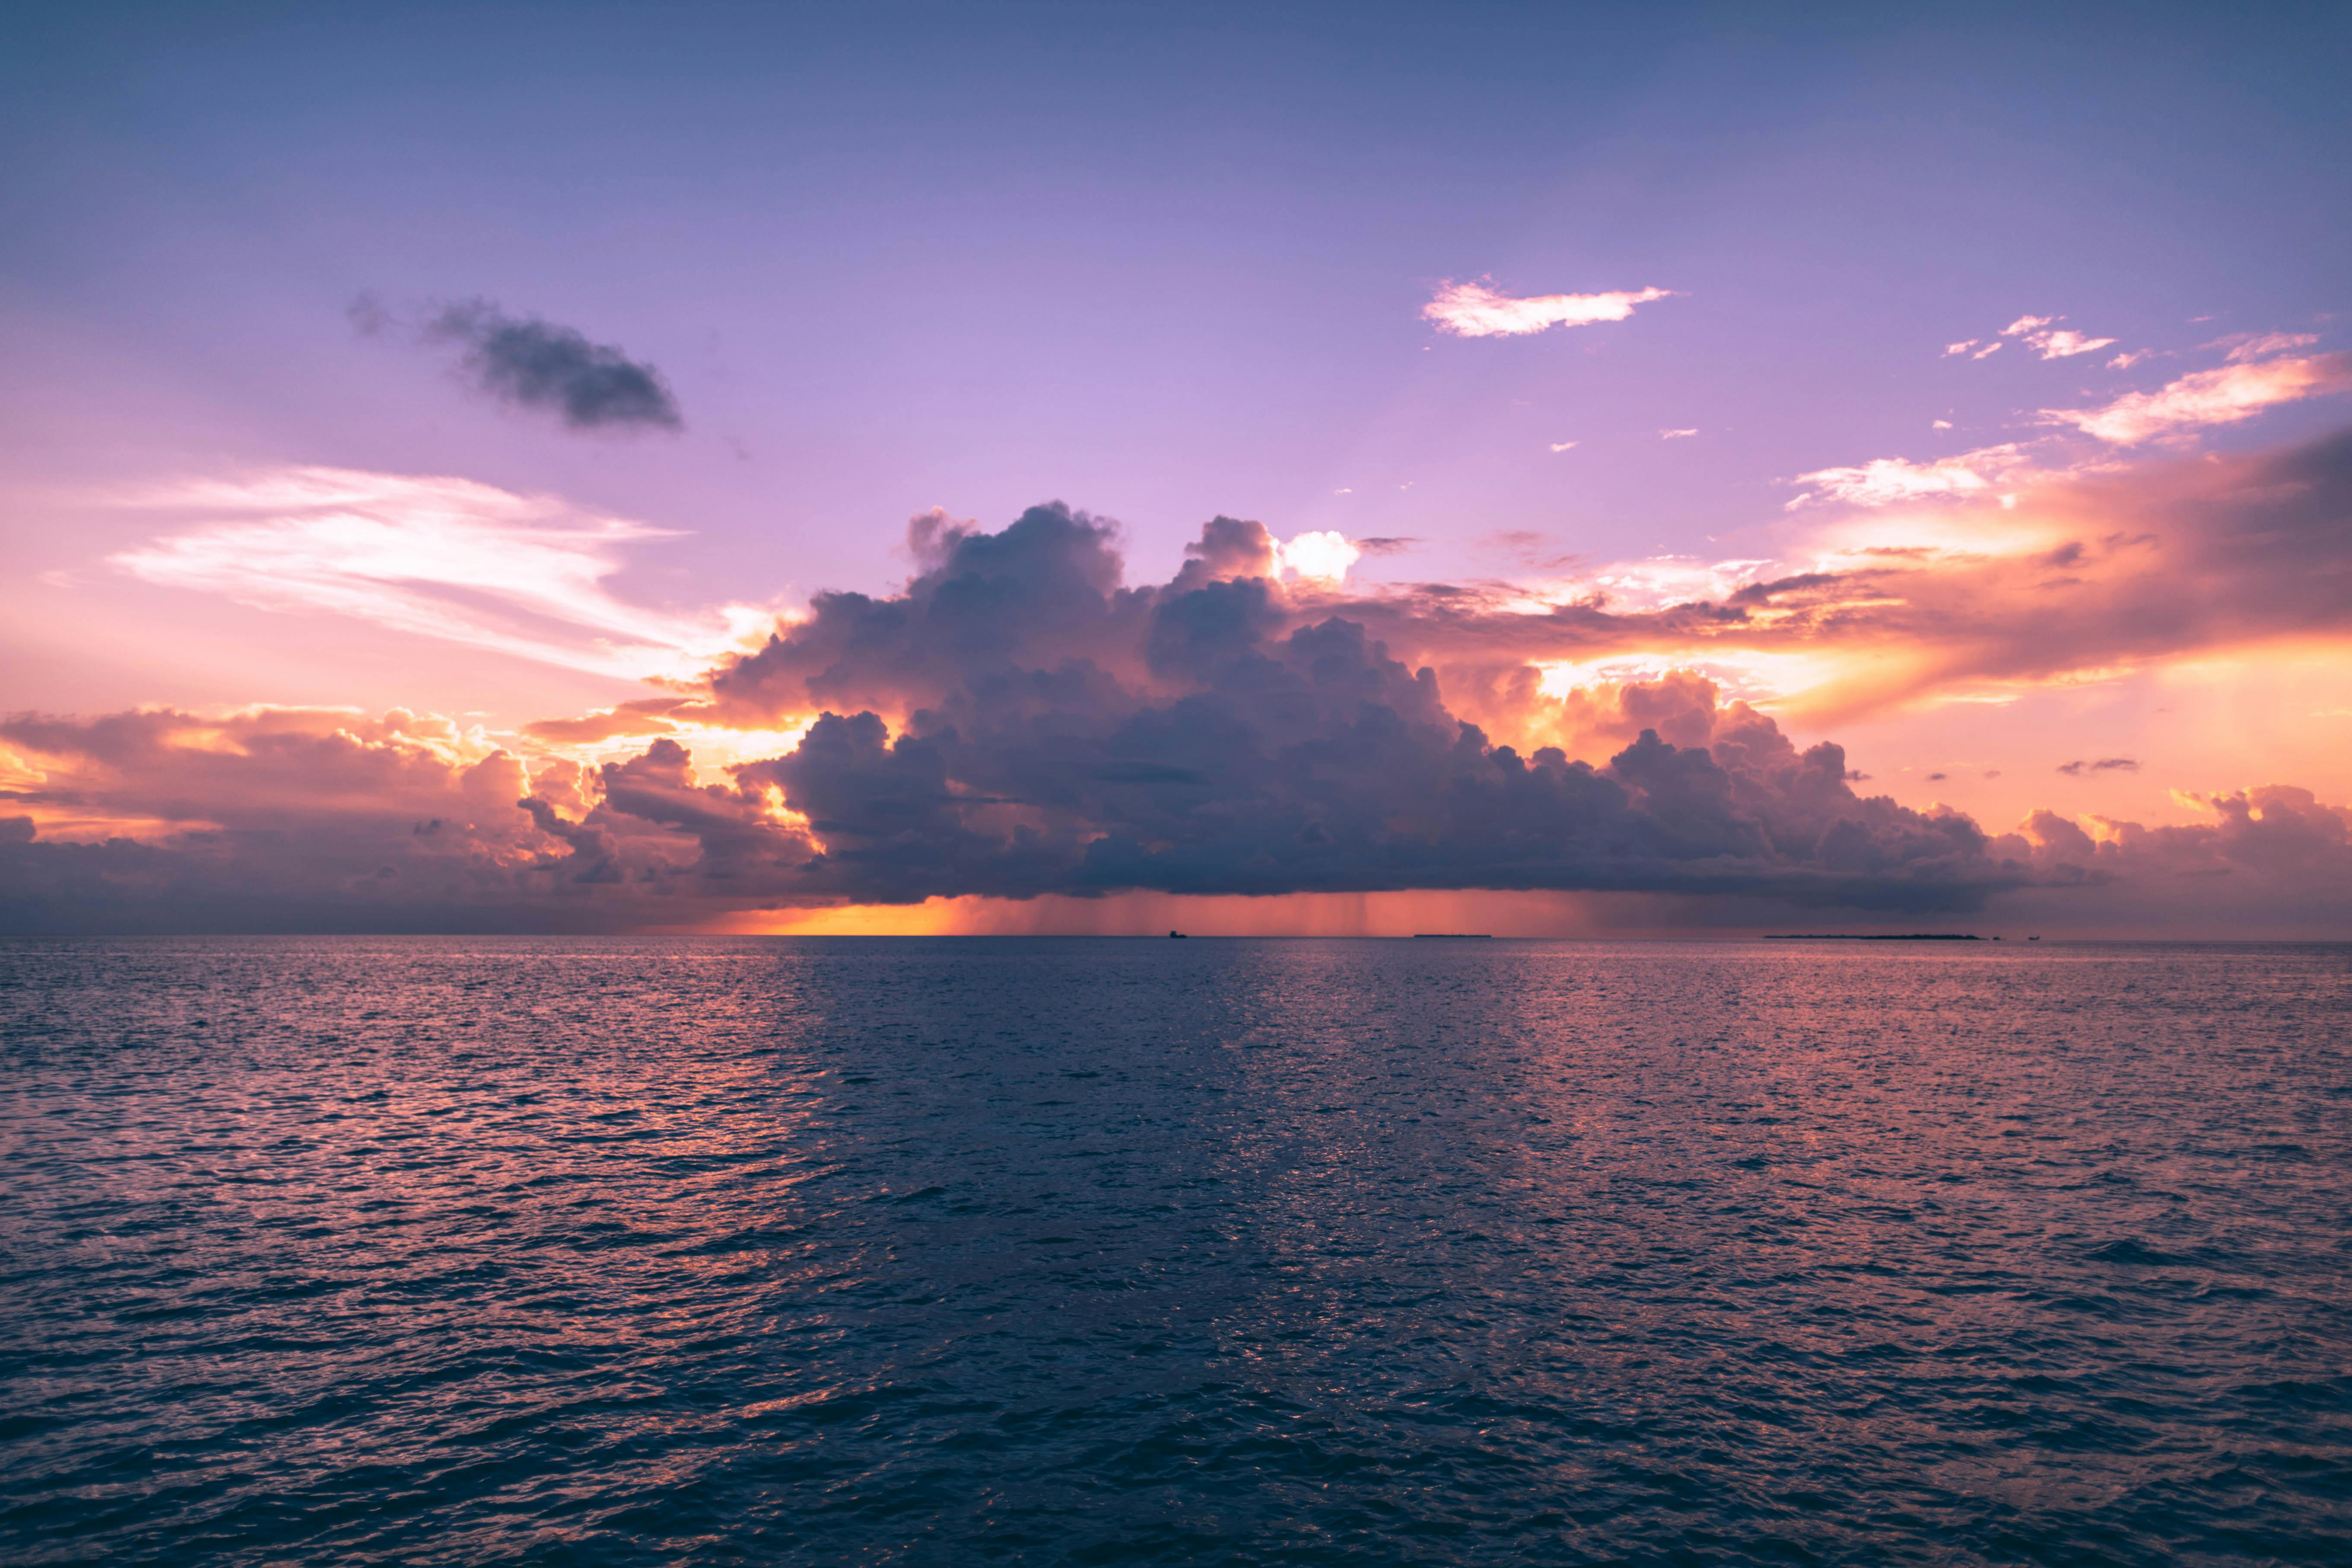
1987, 350
1562, 446
1396, 544
1882, 481
540, 365
2053, 341
2246, 346
1959, 348
1479, 310
1941, 424
2104, 765
2206, 397
1676, 435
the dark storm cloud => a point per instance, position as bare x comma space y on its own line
1058, 732
540, 365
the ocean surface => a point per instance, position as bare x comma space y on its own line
971, 1251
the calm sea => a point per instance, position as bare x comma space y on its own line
940, 1252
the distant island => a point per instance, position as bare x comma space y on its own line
1847, 936
1452, 936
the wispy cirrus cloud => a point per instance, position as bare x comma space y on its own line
2207, 397
1478, 309
433, 556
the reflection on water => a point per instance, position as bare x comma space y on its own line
944, 1251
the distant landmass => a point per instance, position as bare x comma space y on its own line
1847, 936
1452, 936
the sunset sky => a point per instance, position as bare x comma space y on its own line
454, 464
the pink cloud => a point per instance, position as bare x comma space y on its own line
2209, 397
1882, 481
1479, 310
2052, 342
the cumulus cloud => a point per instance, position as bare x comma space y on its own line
1325, 556
2207, 397
435, 556
2272, 858
1882, 481
1479, 310
540, 365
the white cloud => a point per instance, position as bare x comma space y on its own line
1952, 348
1324, 556
1989, 350
2221, 397
1562, 446
2059, 342
1477, 311
1882, 481
2125, 362
1676, 434
1942, 425
436, 557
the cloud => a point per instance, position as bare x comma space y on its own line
2272, 858
2104, 765
2209, 397
1021, 721
1563, 445
438, 557
2051, 343
1884, 481
1676, 434
1477, 311
1958, 348
2245, 346
2103, 569
540, 365
1324, 556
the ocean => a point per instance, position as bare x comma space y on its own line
922, 1251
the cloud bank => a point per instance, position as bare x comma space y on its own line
1020, 722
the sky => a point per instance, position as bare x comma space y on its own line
1007, 467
